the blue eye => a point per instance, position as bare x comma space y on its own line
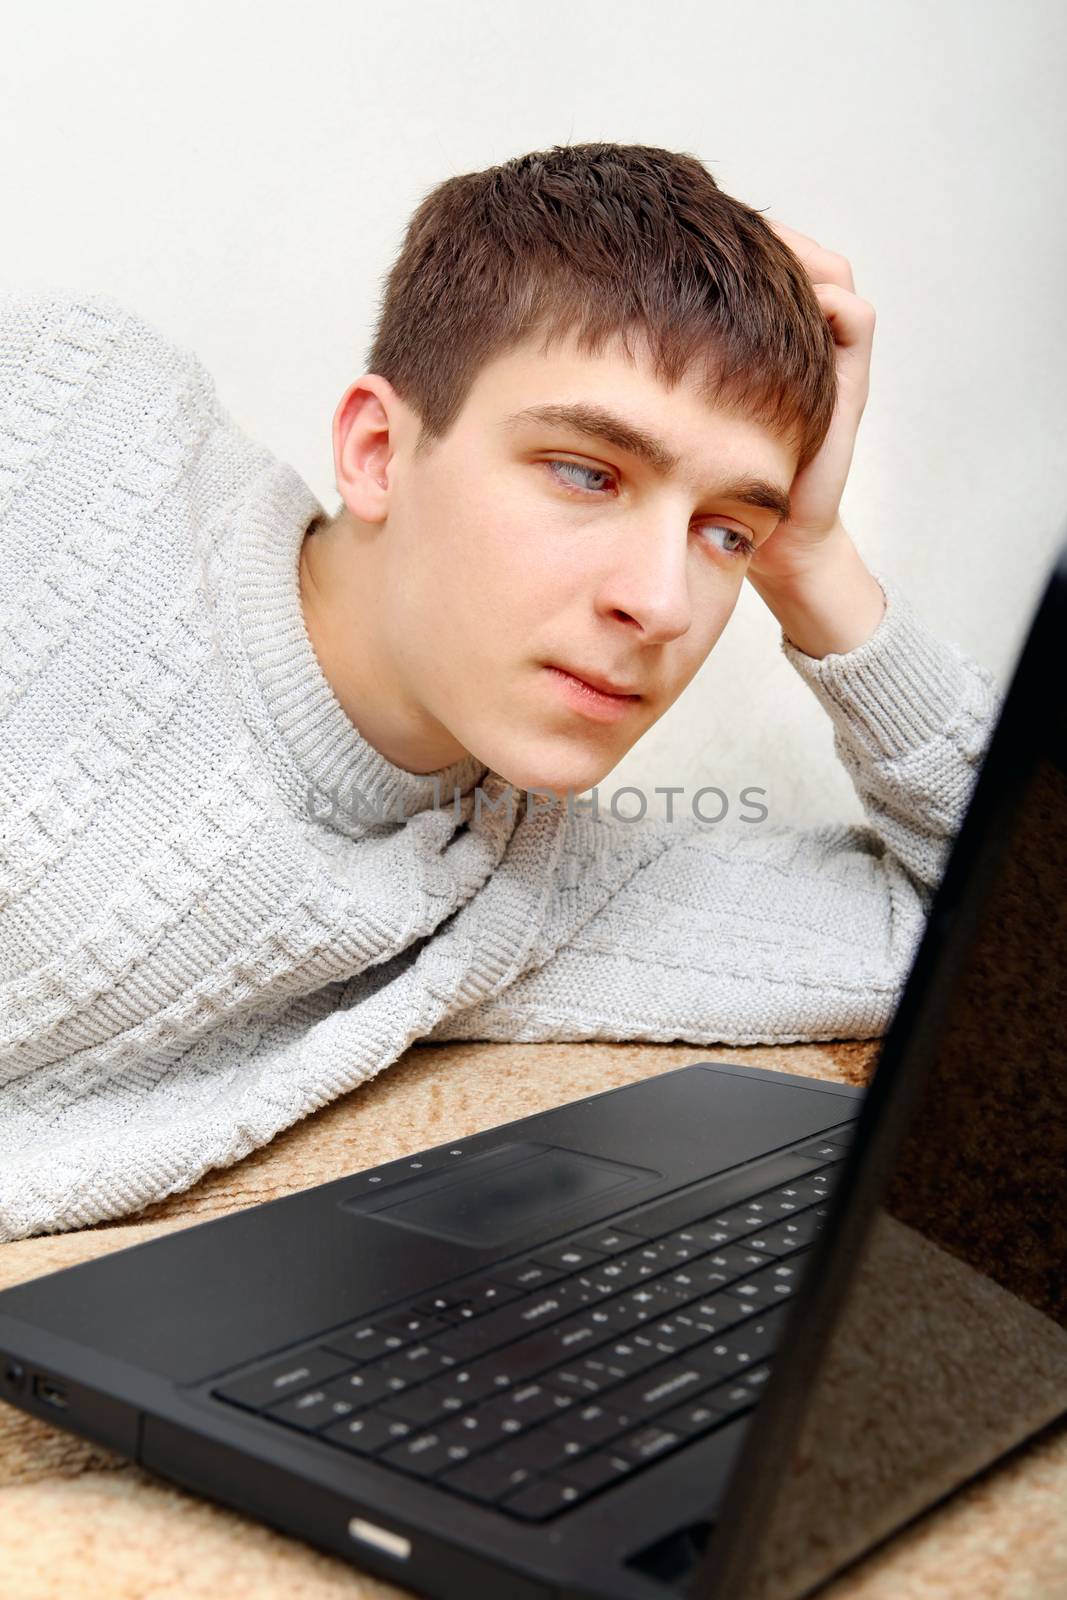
576, 466
744, 547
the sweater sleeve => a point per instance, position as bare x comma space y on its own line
767, 934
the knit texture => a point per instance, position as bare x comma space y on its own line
200, 944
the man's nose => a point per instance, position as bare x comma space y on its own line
648, 582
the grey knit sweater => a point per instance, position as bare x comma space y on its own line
199, 945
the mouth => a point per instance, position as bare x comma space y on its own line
617, 691
593, 699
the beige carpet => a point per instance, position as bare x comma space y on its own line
77, 1521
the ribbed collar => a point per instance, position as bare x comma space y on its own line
326, 745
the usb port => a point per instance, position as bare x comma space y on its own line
50, 1393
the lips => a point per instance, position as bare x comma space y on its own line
621, 691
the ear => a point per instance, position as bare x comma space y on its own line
365, 427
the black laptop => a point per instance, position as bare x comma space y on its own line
716, 1334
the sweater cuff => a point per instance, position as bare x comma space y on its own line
895, 691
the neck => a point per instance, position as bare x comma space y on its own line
341, 580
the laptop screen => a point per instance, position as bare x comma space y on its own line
932, 1338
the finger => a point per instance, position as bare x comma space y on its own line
852, 319
822, 266
852, 323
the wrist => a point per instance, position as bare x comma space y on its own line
830, 603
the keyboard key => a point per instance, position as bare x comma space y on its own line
602, 1370
605, 1317
311, 1410
698, 1417
670, 1251
805, 1192
628, 1308
568, 1256
588, 1290
769, 1287
732, 1398
684, 1244
541, 1499
411, 1325
288, 1375
362, 1388
485, 1478
366, 1435
424, 1455
713, 1314
829, 1149
656, 1342
528, 1274
737, 1258
580, 1333
479, 1295
653, 1256
412, 1364
522, 1407
756, 1377
594, 1471
771, 1243
631, 1355
647, 1443
363, 1341
608, 1241
798, 1232
613, 1276
659, 1390
419, 1406
540, 1450
680, 1332
560, 1443
677, 1289
516, 1362
711, 1233
477, 1431
525, 1358
573, 1381
461, 1386
591, 1423
449, 1306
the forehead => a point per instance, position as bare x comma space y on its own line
532, 393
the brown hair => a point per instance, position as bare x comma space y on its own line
595, 240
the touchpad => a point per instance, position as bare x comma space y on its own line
502, 1194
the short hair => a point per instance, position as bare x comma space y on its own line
594, 241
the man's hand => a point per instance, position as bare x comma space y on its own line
809, 572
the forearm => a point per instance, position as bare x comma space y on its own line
832, 605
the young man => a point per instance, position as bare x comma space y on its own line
259, 765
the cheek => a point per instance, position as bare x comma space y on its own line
479, 558
513, 573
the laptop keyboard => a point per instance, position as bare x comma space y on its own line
533, 1384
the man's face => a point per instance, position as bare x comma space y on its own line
516, 546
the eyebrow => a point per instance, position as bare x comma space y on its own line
598, 422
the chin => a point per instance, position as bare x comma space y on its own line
557, 778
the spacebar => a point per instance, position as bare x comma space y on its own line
716, 1195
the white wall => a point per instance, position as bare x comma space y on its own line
241, 172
